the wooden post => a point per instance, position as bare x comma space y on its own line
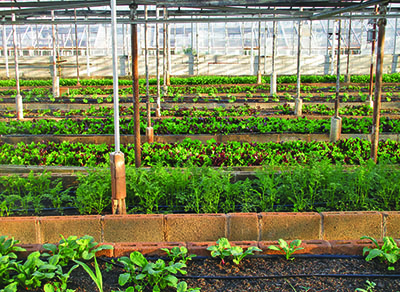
118, 182
135, 77
378, 83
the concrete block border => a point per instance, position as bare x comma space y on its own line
326, 232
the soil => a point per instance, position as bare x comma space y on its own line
282, 275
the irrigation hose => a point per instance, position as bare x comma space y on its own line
393, 276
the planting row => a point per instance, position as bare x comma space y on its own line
318, 186
55, 269
198, 94
236, 111
205, 80
194, 125
193, 152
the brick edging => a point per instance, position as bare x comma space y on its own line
192, 228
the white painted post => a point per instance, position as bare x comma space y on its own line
18, 97
298, 108
56, 81
87, 49
5, 49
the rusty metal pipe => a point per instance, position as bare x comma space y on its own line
378, 84
135, 77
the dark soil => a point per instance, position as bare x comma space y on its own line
302, 274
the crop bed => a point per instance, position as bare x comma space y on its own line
286, 276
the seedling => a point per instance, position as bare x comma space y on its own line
369, 287
287, 249
224, 249
238, 253
97, 278
178, 253
389, 252
221, 250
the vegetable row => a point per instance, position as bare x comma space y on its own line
245, 110
193, 152
194, 125
206, 80
317, 186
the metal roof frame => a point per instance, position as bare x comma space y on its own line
186, 11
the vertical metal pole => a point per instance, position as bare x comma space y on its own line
128, 49
87, 49
135, 76
338, 72
252, 50
333, 48
114, 48
259, 54
378, 83
273, 73
37, 39
394, 62
56, 84
209, 38
371, 69
5, 49
18, 97
265, 47
149, 128
165, 56
117, 161
310, 40
197, 48
76, 50
168, 50
348, 53
336, 121
298, 109
226, 38
158, 109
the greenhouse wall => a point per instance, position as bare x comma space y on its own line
40, 66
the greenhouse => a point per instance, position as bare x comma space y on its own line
186, 145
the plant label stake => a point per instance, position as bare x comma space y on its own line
118, 182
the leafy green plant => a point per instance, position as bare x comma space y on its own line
60, 286
183, 287
178, 253
144, 274
388, 253
92, 194
74, 248
224, 249
287, 249
238, 253
369, 287
33, 271
97, 278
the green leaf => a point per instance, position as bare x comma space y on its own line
181, 287
138, 259
123, 279
273, 247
